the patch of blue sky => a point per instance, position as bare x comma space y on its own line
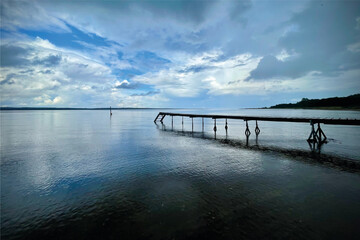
192, 102
151, 56
147, 61
6, 103
120, 55
142, 62
173, 43
71, 39
126, 74
142, 89
205, 100
5, 33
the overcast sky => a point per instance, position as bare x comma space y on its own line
174, 53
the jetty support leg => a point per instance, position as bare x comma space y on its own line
156, 117
226, 126
320, 134
247, 131
161, 120
317, 136
313, 136
257, 129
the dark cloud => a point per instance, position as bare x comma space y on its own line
27, 71
189, 10
270, 67
196, 69
320, 36
49, 61
183, 10
149, 93
13, 56
237, 10
8, 79
47, 71
24, 14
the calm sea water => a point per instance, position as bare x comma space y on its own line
84, 175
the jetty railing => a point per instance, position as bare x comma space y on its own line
317, 135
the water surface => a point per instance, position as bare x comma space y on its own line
84, 175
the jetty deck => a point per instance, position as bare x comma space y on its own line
332, 121
315, 135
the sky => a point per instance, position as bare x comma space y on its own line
177, 53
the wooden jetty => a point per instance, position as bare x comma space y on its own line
317, 135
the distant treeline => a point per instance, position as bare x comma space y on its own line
350, 102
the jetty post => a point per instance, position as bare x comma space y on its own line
316, 136
161, 120
247, 131
215, 129
226, 126
257, 130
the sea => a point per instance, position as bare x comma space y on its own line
83, 174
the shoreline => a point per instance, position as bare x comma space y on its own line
314, 108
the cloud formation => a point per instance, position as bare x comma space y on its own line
153, 53
324, 36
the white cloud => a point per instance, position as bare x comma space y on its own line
52, 71
355, 47
29, 15
202, 72
286, 56
74, 79
122, 83
150, 101
47, 100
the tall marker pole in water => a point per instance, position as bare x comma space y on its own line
192, 124
182, 123
110, 112
215, 129
203, 124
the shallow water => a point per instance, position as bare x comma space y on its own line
82, 174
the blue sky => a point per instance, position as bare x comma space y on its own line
212, 54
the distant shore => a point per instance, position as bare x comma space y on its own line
315, 108
351, 102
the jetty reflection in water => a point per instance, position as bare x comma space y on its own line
314, 146
314, 153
